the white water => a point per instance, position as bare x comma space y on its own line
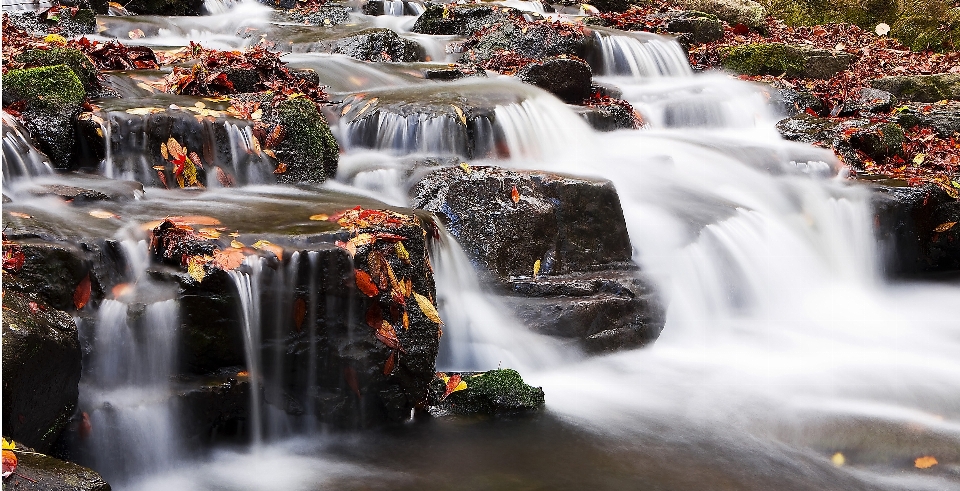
248, 291
20, 157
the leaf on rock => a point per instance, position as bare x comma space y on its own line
121, 289
196, 267
13, 259
209, 233
9, 444
350, 375
374, 316
299, 313
320, 217
224, 178
406, 320
9, 463
466, 167
281, 168
388, 237
426, 306
925, 462
347, 246
102, 214
228, 259
265, 245
363, 239
19, 215
391, 363
454, 383
81, 295
164, 152
536, 268
365, 284
943, 227
388, 336
838, 459
515, 195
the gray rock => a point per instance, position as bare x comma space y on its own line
695, 27
38, 472
906, 219
942, 118
746, 12
869, 100
921, 88
375, 44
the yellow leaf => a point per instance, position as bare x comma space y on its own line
176, 151
190, 174
236, 244
163, 151
466, 167
943, 227
460, 115
102, 214
536, 268
925, 462
363, 239
402, 252
918, 159
55, 39
462, 385
320, 217
195, 267
265, 245
255, 145
838, 459
9, 445
257, 115
209, 233
426, 306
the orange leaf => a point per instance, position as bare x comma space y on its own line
388, 336
281, 168
82, 294
390, 364
515, 195
454, 383
121, 290
224, 178
406, 320
943, 227
9, 463
228, 259
194, 220
275, 136
299, 313
925, 462
365, 284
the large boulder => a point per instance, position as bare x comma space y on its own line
567, 78
41, 369
376, 44
39, 472
918, 228
921, 88
942, 118
779, 58
166, 7
462, 20
746, 12
78, 62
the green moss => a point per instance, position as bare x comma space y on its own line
764, 59
73, 58
490, 393
309, 148
52, 88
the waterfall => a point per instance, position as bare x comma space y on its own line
248, 291
639, 55
20, 157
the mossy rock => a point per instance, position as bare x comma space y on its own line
494, 393
695, 27
937, 31
461, 20
309, 148
84, 69
50, 88
36, 471
746, 12
378, 45
779, 58
880, 140
921, 88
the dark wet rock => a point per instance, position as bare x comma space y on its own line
879, 140
746, 12
461, 20
694, 27
280, 4
82, 67
51, 270
779, 59
792, 100
852, 138
51, 98
375, 44
567, 78
210, 333
907, 219
921, 88
328, 14
215, 407
609, 115
451, 72
66, 21
942, 118
41, 369
91, 190
38, 472
808, 129
166, 7
495, 393
381, 7
612, 5
869, 101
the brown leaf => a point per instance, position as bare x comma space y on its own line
81, 295
375, 316
121, 289
406, 320
228, 259
299, 313
925, 462
224, 178
365, 284
276, 136
390, 364
943, 227
350, 375
281, 168
426, 306
388, 336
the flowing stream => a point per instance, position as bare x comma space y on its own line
784, 343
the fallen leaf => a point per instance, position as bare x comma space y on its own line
9, 444
454, 383
121, 290
136, 34
102, 214
34, 307
265, 245
882, 29
390, 364
925, 462
209, 233
81, 295
19, 215
236, 244
388, 237
402, 252
13, 259
9, 463
536, 268
347, 246
919, 159
164, 152
466, 167
281, 168
374, 316
365, 284
388, 336
243, 373
228, 259
193, 220
363, 239
943, 227
460, 115
426, 306
196, 267
406, 320
515, 195
224, 178
299, 313
838, 459
350, 375
320, 217
85, 427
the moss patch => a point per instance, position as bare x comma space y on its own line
497, 392
309, 148
764, 59
84, 69
53, 88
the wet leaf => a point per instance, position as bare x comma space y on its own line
374, 316
460, 115
453, 384
236, 244
136, 34
299, 313
515, 195
196, 267
388, 237
81, 295
103, 214
228, 259
365, 284
276, 136
347, 246
388, 336
426, 306
402, 252
281, 168
466, 167
209, 233
163, 178
9, 444
943, 227
121, 289
173, 147
9, 463
406, 320
164, 152
34, 307
390, 364
350, 376
838, 459
13, 259
257, 115
224, 178
19, 215
536, 268
918, 159
320, 217
193, 220
362, 240
265, 245
925, 462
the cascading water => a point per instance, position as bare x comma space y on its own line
248, 291
20, 157
639, 55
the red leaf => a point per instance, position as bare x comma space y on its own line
374, 316
390, 364
299, 313
82, 294
224, 178
452, 384
740, 29
9, 463
365, 284
388, 336
350, 375
85, 427
515, 195
34, 308
13, 259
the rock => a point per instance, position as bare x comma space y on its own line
52, 271
82, 67
793, 101
921, 88
906, 222
879, 140
452, 72
214, 408
166, 7
695, 27
41, 369
609, 117
376, 44
328, 14
870, 101
942, 118
67, 22
52, 97
808, 129
746, 12
612, 5
495, 393
567, 78
91, 189
461, 20
38, 472
778, 59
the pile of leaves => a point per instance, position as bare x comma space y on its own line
16, 41
647, 18
115, 56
